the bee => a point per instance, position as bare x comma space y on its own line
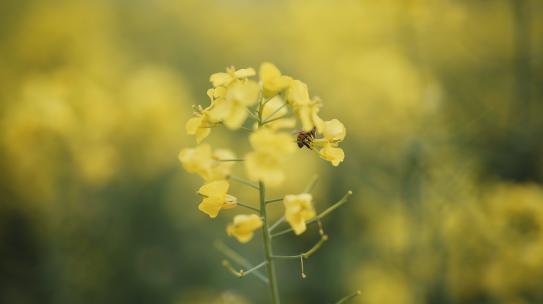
304, 138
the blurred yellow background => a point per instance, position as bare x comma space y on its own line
442, 101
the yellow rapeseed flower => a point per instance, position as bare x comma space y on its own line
206, 163
297, 93
230, 105
215, 198
334, 132
225, 79
270, 150
199, 125
306, 109
298, 209
332, 154
272, 80
244, 226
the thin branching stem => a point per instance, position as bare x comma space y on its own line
243, 181
266, 237
306, 254
248, 207
321, 215
240, 260
231, 269
253, 115
275, 111
349, 297
277, 223
274, 200
231, 160
274, 119
266, 101
246, 272
309, 188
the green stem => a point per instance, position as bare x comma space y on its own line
275, 112
347, 298
236, 257
248, 207
274, 200
274, 119
243, 181
311, 185
306, 254
246, 272
279, 221
270, 265
253, 115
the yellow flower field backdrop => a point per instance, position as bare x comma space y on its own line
442, 102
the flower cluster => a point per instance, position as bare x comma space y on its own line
284, 116
276, 103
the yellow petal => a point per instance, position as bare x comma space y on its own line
276, 143
236, 118
333, 154
298, 209
193, 124
245, 93
196, 160
264, 167
304, 114
201, 134
244, 73
268, 71
211, 206
298, 93
334, 130
220, 110
244, 226
220, 79
272, 80
318, 122
215, 189
219, 92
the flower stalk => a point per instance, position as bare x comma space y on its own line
240, 260
306, 254
276, 102
349, 297
243, 181
270, 266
